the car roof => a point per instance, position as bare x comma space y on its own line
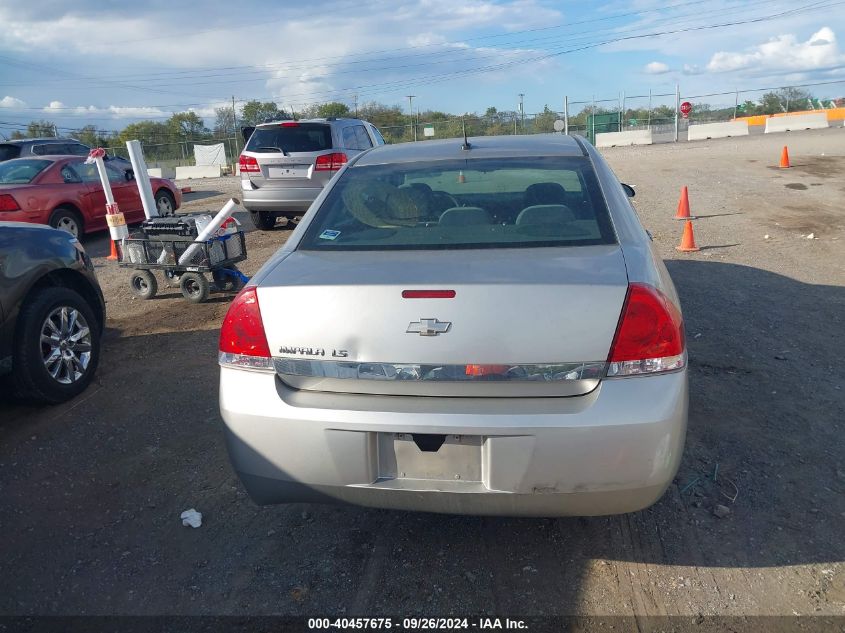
328, 120
48, 139
52, 158
480, 147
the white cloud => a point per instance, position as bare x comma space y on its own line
782, 53
339, 63
55, 106
12, 102
692, 69
656, 68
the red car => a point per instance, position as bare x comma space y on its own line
65, 193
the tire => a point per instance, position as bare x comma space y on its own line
144, 284
194, 287
165, 204
62, 314
66, 219
291, 221
263, 220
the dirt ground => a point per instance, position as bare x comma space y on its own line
91, 491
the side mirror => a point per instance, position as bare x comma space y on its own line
629, 190
130, 175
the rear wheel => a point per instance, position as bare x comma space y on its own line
194, 287
165, 204
57, 345
66, 219
144, 284
291, 221
263, 220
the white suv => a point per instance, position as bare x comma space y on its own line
286, 164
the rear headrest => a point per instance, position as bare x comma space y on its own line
545, 193
465, 216
545, 214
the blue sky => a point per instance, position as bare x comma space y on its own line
109, 63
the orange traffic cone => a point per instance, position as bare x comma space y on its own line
687, 244
683, 206
113, 254
784, 158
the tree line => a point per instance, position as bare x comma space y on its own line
173, 138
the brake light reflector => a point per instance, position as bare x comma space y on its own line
248, 164
330, 162
487, 370
243, 342
650, 335
8, 203
428, 294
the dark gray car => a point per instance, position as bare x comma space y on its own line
52, 312
31, 147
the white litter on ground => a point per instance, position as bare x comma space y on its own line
191, 517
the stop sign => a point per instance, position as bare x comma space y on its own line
686, 108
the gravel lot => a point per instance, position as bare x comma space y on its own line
91, 491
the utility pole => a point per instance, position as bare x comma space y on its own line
355, 99
677, 108
566, 114
235, 126
522, 111
411, 111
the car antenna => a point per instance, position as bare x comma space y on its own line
466, 146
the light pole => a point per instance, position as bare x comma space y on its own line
411, 111
522, 111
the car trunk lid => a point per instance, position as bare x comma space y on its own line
339, 321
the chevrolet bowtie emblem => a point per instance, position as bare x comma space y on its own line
428, 327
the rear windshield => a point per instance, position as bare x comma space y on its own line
491, 203
7, 152
288, 137
22, 171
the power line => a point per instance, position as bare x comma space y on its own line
402, 84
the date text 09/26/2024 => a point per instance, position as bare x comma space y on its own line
416, 624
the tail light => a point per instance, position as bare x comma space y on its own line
330, 162
8, 203
290, 124
243, 343
650, 335
248, 164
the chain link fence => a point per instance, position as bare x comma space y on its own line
178, 153
655, 111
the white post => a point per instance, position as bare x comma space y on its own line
114, 218
142, 178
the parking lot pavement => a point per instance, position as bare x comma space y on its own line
91, 491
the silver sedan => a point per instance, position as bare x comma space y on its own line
475, 327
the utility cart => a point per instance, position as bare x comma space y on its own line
167, 244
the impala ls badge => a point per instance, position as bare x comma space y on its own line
428, 327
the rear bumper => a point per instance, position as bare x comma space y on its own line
280, 199
612, 451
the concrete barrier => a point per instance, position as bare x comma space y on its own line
202, 171
717, 130
797, 122
161, 172
616, 139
